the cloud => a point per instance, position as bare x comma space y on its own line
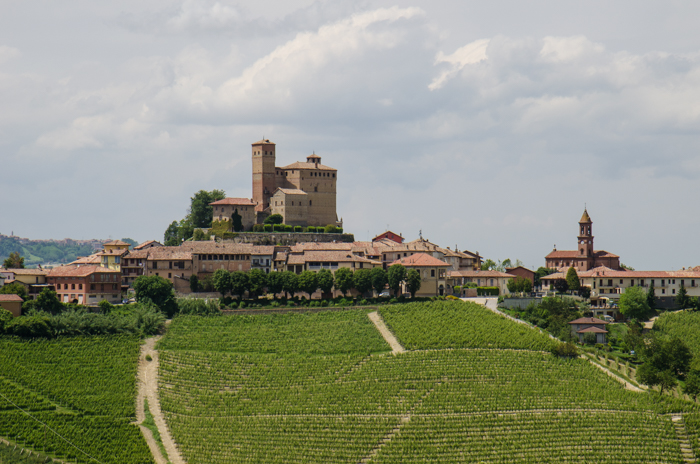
471, 53
8, 53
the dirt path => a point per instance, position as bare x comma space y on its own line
386, 333
627, 385
148, 389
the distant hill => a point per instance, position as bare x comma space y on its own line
47, 251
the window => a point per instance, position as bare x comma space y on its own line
663, 290
309, 202
620, 281
170, 275
117, 259
72, 286
674, 291
92, 286
155, 265
432, 273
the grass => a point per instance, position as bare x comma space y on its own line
150, 424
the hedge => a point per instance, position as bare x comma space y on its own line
487, 291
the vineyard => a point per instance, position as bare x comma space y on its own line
682, 324
476, 388
78, 396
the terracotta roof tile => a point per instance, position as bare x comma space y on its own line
79, 271
588, 320
420, 260
29, 272
300, 166
479, 273
92, 259
147, 243
117, 243
10, 297
592, 330
263, 141
287, 191
234, 201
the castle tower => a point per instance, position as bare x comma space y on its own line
264, 184
585, 236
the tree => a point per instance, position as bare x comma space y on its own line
682, 298
330, 229
15, 288
194, 284
343, 280
561, 285
222, 281
651, 298
325, 280
201, 213
5, 318
396, 275
290, 283
275, 282
14, 261
665, 361
628, 268
158, 290
488, 265
239, 283
257, 280
584, 292
413, 282
692, 384
379, 279
274, 219
237, 221
308, 282
633, 303
170, 238
48, 301
362, 280
132, 243
572, 280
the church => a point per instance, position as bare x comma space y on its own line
303, 193
585, 257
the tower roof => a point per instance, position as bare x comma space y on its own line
263, 142
585, 217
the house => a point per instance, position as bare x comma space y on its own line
481, 279
172, 263
523, 272
85, 284
581, 327
226, 208
584, 257
389, 235
12, 303
433, 273
147, 244
133, 265
33, 280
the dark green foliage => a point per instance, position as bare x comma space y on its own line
325, 280
308, 282
239, 283
665, 361
14, 261
413, 282
222, 281
267, 227
194, 283
275, 282
584, 292
48, 301
651, 298
40, 252
362, 280
258, 228
170, 237
633, 303
682, 298
330, 229
257, 280
5, 318
692, 384
565, 350
274, 219
105, 307
198, 307
298, 229
290, 283
589, 339
488, 291
344, 280
237, 221
200, 215
311, 229
379, 279
572, 280
157, 290
519, 284
15, 288
288, 228
338, 230
278, 227
552, 314
395, 275
561, 285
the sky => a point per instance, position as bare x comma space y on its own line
484, 125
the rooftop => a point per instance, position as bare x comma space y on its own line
420, 260
10, 297
234, 201
588, 320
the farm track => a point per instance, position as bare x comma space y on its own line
627, 385
148, 389
393, 342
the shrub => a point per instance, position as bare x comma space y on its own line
311, 229
567, 350
338, 230
230, 235
487, 291
258, 228
471, 285
330, 229
267, 227
451, 297
298, 228
364, 303
199, 306
278, 227
288, 228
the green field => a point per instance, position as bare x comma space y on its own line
475, 387
684, 325
72, 397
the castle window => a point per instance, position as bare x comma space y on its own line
315, 189
333, 175
309, 202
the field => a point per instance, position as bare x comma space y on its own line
475, 387
76, 397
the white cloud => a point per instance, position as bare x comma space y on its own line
196, 14
471, 53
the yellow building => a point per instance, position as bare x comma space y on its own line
433, 273
111, 256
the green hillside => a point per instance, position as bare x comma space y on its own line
475, 387
43, 252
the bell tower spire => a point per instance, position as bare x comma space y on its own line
585, 236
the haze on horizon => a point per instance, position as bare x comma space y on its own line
487, 125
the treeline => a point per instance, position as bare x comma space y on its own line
41, 252
256, 282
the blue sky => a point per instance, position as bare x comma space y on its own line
486, 125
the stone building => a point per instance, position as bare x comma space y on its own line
226, 208
304, 193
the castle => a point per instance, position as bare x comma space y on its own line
303, 193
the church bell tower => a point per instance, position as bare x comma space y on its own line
264, 183
585, 236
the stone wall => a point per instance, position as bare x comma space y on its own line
521, 303
289, 238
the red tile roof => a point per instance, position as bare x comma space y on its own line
29, 272
585, 217
79, 271
148, 243
117, 243
592, 330
234, 201
287, 191
479, 273
263, 141
300, 166
588, 320
92, 259
575, 254
420, 260
10, 297
602, 271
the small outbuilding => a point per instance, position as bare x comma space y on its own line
12, 303
580, 327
